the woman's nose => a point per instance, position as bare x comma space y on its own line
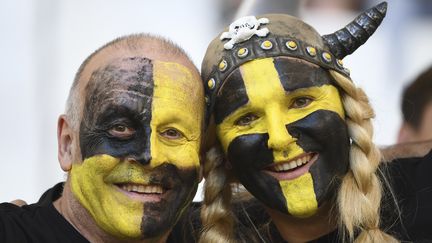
279, 137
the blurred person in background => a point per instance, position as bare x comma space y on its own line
417, 110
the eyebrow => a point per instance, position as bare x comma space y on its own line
231, 96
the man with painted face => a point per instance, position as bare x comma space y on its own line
130, 143
295, 130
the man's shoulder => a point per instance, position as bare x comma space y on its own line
50, 195
407, 167
406, 151
38, 222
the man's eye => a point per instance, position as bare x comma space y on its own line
171, 133
301, 102
246, 120
121, 131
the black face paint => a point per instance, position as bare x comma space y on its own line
296, 74
249, 154
118, 94
161, 216
231, 100
322, 132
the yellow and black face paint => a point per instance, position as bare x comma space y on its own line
272, 110
157, 109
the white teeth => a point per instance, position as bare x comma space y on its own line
292, 164
142, 188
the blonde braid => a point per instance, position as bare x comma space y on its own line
216, 216
359, 196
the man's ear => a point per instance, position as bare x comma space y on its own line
65, 143
406, 133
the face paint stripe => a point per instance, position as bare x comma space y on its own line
234, 96
106, 106
181, 113
300, 196
300, 74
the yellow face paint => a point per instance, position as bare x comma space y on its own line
112, 210
140, 140
300, 196
270, 110
176, 107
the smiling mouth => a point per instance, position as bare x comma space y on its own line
141, 192
291, 169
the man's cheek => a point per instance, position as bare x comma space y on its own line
112, 210
183, 157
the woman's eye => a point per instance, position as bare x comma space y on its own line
301, 102
171, 133
121, 131
246, 120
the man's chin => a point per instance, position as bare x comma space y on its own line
156, 226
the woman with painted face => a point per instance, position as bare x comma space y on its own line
296, 133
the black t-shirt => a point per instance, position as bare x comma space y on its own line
39, 222
411, 182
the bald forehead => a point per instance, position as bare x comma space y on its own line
150, 51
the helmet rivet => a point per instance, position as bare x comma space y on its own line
266, 45
223, 65
327, 57
211, 83
242, 52
292, 45
311, 51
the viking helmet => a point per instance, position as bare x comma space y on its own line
273, 35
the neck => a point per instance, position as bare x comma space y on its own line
296, 230
82, 221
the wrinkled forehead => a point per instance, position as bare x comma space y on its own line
132, 81
133, 74
247, 81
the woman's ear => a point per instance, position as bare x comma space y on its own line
65, 142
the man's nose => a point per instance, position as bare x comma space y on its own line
279, 138
145, 157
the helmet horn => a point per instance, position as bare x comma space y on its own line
346, 40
